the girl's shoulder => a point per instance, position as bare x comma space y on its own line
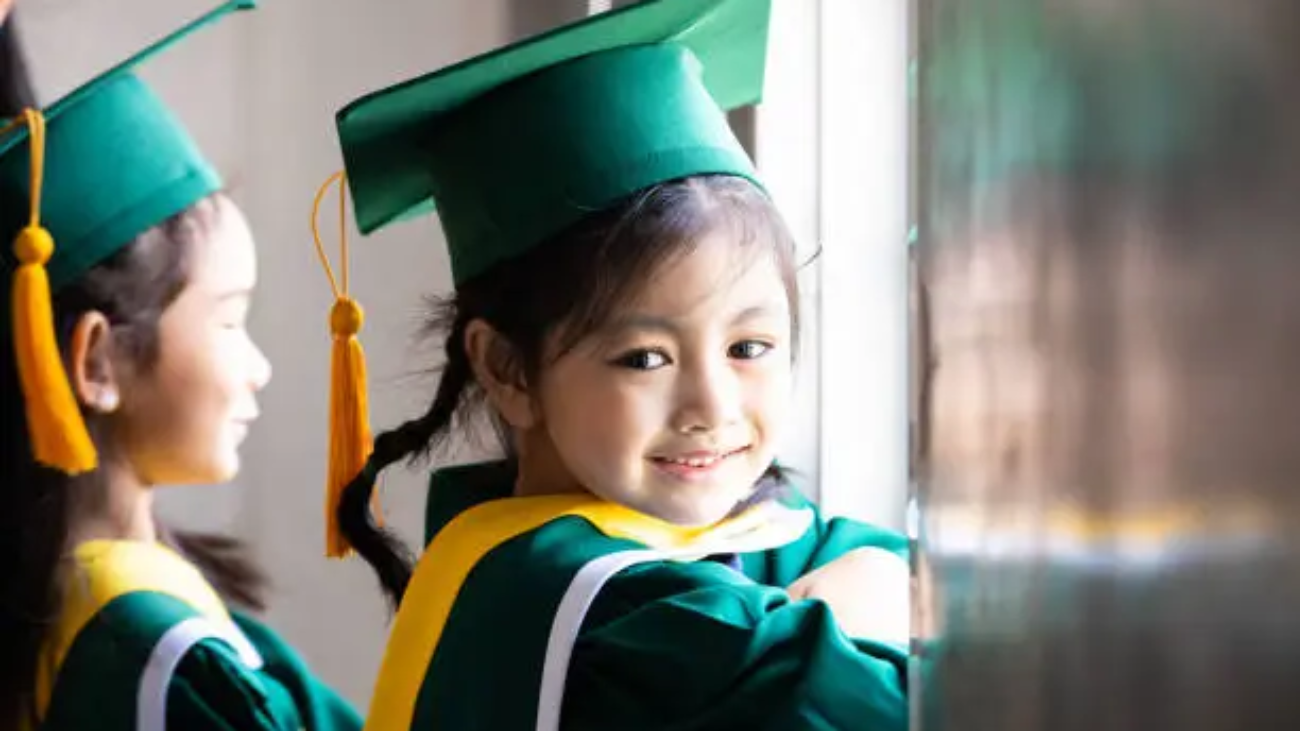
145, 640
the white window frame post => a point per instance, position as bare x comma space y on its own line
865, 119
833, 142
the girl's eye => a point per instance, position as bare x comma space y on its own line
642, 360
749, 349
232, 316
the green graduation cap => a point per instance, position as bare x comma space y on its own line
516, 145
78, 182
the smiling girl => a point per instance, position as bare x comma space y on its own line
626, 314
128, 366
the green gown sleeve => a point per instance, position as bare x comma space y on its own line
319, 705
213, 691
824, 542
699, 646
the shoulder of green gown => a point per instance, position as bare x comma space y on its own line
105, 680
455, 489
147, 637
122, 669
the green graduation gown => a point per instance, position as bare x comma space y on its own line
144, 643
566, 612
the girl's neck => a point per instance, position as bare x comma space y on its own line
122, 510
541, 471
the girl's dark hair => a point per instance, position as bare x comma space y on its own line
16, 93
42, 507
566, 287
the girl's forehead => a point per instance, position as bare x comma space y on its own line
715, 277
226, 253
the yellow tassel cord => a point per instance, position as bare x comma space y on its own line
350, 437
58, 431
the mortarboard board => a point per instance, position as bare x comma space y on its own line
79, 182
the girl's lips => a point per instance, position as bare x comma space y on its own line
694, 465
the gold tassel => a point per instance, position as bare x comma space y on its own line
350, 439
58, 431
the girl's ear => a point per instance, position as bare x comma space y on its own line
90, 364
496, 367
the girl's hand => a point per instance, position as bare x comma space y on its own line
868, 590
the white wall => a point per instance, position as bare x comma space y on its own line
259, 92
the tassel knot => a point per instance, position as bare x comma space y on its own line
346, 318
34, 245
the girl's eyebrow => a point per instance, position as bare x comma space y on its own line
758, 311
246, 292
645, 323
638, 322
